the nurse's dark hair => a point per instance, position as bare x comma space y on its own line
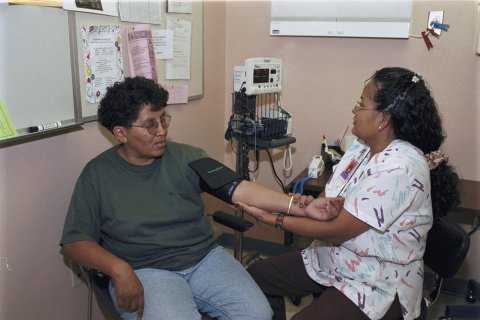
125, 100
404, 95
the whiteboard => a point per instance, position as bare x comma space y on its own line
346, 18
195, 84
36, 78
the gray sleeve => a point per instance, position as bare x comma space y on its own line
83, 216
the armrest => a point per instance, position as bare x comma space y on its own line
98, 284
234, 222
98, 278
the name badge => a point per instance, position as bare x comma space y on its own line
349, 169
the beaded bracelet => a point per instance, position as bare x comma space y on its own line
279, 221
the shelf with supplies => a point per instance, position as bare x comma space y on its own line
261, 144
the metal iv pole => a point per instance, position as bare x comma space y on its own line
242, 171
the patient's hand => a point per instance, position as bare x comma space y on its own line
129, 291
324, 209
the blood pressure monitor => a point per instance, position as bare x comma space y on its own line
259, 75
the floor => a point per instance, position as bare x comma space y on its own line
435, 312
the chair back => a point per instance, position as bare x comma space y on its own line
447, 246
100, 283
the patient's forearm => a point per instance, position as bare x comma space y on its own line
90, 254
256, 195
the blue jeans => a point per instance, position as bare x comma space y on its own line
218, 286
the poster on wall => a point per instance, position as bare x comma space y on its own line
102, 59
139, 52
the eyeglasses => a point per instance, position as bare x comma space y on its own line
152, 125
359, 106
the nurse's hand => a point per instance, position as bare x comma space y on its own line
324, 209
128, 290
257, 213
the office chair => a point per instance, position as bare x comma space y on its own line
98, 282
447, 247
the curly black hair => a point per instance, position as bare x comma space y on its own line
415, 118
124, 100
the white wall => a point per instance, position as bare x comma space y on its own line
323, 77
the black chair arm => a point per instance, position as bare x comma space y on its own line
99, 283
234, 222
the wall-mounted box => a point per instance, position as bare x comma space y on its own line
341, 18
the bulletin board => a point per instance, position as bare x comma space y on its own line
37, 79
195, 83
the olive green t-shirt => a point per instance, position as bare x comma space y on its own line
151, 216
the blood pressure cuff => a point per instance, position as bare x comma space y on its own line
215, 178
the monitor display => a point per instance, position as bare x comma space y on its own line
261, 75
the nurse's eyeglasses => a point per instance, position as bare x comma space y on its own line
359, 106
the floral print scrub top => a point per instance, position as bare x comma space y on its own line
389, 191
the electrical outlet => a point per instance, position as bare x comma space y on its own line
435, 16
4, 266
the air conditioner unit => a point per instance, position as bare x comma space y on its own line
341, 18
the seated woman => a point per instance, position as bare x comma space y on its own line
368, 260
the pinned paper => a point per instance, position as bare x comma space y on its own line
179, 66
102, 59
7, 129
139, 52
179, 6
147, 11
177, 93
162, 43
